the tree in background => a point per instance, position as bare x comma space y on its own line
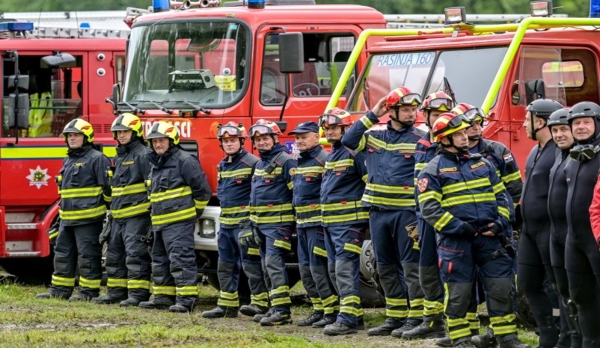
573, 8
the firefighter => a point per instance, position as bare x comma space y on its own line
389, 193
235, 174
582, 257
41, 112
85, 194
451, 187
128, 263
272, 216
534, 248
508, 171
312, 255
433, 324
563, 138
345, 222
179, 192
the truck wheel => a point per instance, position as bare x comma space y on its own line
30, 271
370, 292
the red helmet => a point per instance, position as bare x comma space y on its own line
402, 96
447, 124
437, 101
264, 127
232, 130
470, 112
335, 117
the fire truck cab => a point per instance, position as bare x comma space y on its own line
49, 77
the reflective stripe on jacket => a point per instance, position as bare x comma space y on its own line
307, 187
233, 190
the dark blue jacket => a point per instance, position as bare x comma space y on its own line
307, 187
271, 193
390, 162
458, 189
343, 186
233, 189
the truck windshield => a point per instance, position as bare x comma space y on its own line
467, 74
192, 62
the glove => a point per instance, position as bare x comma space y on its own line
53, 232
248, 236
496, 229
106, 228
469, 230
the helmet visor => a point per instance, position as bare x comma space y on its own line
229, 131
410, 99
329, 121
260, 130
476, 114
441, 104
457, 120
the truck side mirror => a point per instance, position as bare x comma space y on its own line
282, 125
534, 90
18, 110
116, 96
291, 52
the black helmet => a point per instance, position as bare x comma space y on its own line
584, 109
559, 117
543, 108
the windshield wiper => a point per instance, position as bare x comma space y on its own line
196, 107
157, 105
133, 108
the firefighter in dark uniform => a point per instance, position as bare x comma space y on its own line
345, 222
85, 193
534, 244
272, 216
390, 154
312, 255
128, 263
179, 192
453, 186
235, 174
557, 210
433, 106
582, 257
508, 171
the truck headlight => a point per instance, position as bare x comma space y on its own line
207, 228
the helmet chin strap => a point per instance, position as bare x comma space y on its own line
460, 150
405, 124
475, 137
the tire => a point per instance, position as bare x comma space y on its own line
30, 271
371, 293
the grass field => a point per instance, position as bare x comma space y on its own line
27, 322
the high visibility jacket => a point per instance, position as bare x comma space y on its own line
506, 166
128, 182
40, 115
534, 200
343, 186
307, 187
272, 185
425, 151
454, 189
179, 190
233, 190
390, 162
83, 186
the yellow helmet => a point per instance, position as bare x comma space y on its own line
79, 126
162, 129
125, 122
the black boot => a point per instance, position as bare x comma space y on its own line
512, 341
487, 340
131, 302
432, 329
276, 318
221, 312
251, 310
258, 317
406, 327
385, 329
161, 302
326, 320
182, 308
80, 297
314, 317
109, 299
337, 329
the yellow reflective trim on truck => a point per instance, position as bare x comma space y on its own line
44, 152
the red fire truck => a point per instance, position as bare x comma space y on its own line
62, 74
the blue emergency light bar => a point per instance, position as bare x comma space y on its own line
161, 5
16, 26
256, 4
594, 8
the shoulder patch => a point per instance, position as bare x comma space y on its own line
422, 184
508, 157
